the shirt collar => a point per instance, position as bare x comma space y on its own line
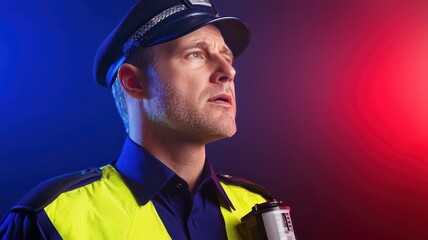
146, 176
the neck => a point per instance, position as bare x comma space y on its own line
186, 158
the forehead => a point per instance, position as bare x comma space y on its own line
209, 35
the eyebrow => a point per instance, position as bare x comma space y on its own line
203, 44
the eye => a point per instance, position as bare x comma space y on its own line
197, 55
229, 60
196, 58
228, 57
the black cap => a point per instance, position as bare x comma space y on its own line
152, 22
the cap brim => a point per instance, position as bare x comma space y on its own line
235, 32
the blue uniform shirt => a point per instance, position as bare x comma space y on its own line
185, 215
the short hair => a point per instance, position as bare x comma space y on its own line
141, 58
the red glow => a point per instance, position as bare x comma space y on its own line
390, 95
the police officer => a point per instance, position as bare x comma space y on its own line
170, 67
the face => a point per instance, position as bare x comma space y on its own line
191, 87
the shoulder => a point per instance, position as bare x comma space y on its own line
232, 181
19, 226
49, 190
22, 221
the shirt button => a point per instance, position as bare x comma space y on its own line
195, 223
179, 186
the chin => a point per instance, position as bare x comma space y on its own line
231, 133
224, 133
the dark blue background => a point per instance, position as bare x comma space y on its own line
298, 133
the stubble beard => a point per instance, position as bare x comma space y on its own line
172, 111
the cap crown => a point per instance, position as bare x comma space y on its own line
151, 22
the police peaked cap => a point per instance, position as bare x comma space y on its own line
152, 22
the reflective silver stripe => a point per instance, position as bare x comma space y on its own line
133, 41
201, 2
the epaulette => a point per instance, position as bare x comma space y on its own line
228, 179
44, 193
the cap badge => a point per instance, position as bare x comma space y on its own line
201, 2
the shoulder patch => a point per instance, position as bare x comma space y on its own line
47, 191
228, 179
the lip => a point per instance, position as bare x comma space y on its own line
222, 99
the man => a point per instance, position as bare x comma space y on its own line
169, 65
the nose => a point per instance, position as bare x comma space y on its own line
223, 70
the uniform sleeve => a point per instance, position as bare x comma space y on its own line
18, 225
28, 220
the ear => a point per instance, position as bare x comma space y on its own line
131, 79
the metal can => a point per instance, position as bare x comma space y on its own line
267, 221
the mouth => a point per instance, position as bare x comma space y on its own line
222, 99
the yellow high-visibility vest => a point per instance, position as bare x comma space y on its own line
106, 209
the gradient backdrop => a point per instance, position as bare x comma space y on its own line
332, 107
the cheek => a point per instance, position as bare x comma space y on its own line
232, 86
189, 84
232, 89
194, 83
